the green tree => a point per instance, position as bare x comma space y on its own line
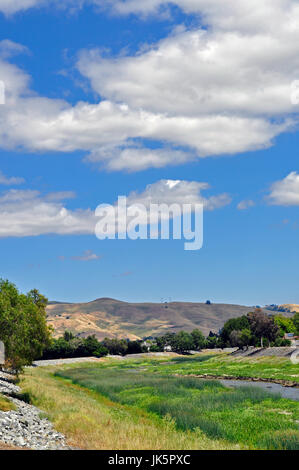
198, 339
295, 320
182, 342
213, 342
240, 338
263, 327
68, 335
284, 324
238, 324
23, 325
115, 346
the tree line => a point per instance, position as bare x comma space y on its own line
70, 346
27, 336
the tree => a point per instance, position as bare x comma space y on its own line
199, 340
115, 346
23, 325
263, 327
240, 338
213, 342
238, 324
165, 340
68, 335
284, 324
295, 320
134, 347
182, 342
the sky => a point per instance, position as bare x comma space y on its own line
183, 101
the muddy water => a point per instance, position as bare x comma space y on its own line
285, 392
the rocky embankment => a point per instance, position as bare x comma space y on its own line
25, 427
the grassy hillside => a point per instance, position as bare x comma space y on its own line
109, 317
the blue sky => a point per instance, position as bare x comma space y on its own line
111, 101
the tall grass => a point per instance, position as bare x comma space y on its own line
91, 421
282, 440
243, 415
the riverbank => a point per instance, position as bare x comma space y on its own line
22, 425
283, 383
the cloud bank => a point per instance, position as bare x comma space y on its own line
224, 88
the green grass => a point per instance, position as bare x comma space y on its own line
90, 420
246, 416
223, 364
284, 440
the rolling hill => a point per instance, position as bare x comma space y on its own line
113, 318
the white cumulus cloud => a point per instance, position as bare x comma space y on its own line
222, 89
286, 191
29, 213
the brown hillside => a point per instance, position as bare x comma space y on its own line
113, 318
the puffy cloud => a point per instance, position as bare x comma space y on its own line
230, 15
285, 192
28, 213
246, 204
226, 15
10, 181
203, 73
137, 158
225, 89
178, 192
159, 202
105, 129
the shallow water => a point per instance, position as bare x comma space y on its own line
286, 392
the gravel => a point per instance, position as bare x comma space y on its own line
25, 427
59, 362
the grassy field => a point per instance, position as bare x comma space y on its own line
246, 416
222, 364
260, 367
92, 421
140, 404
5, 404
